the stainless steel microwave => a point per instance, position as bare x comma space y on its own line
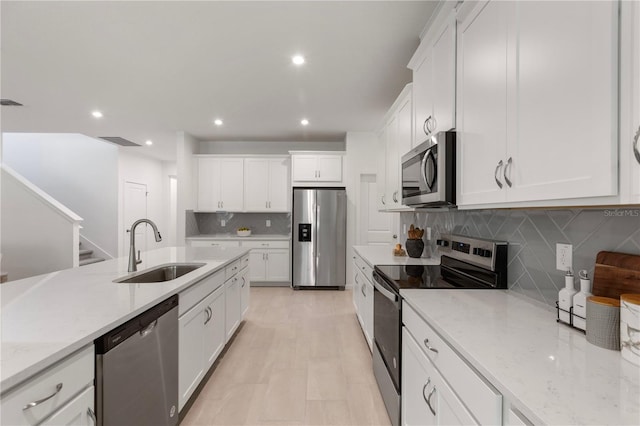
429, 172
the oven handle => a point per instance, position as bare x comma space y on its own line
386, 293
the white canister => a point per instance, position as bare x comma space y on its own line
630, 327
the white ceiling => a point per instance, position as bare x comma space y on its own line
154, 68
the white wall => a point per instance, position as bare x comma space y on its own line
187, 145
79, 171
361, 159
265, 147
36, 238
155, 175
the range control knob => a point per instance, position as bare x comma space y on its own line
442, 243
477, 251
486, 253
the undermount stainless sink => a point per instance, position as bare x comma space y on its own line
161, 273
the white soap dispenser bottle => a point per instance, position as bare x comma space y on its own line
580, 301
565, 298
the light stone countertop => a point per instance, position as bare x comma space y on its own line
47, 317
383, 255
546, 370
233, 236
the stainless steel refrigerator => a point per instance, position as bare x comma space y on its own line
319, 238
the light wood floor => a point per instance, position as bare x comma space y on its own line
299, 359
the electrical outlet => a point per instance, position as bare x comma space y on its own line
404, 228
223, 223
268, 223
564, 257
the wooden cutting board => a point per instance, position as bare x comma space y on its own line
616, 274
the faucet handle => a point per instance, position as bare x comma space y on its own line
138, 260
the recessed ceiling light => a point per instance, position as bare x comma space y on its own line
97, 114
298, 59
217, 122
304, 122
149, 142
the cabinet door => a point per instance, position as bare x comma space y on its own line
191, 362
279, 194
245, 292
392, 168
566, 101
358, 297
214, 326
330, 168
277, 265
630, 92
208, 184
422, 96
232, 184
367, 303
444, 77
256, 184
78, 412
482, 104
232, 306
257, 265
304, 168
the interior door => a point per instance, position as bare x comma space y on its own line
331, 244
376, 227
135, 207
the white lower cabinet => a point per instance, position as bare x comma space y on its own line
61, 394
245, 291
363, 298
210, 312
232, 303
78, 412
427, 399
482, 401
270, 265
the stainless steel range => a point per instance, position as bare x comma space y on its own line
466, 263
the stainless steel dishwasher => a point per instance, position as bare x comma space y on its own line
137, 370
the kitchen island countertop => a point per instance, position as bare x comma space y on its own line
47, 317
546, 370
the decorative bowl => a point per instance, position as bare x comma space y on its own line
244, 233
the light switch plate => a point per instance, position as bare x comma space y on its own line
564, 257
268, 223
223, 222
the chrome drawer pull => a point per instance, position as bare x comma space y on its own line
635, 146
432, 349
40, 401
91, 414
429, 400
507, 169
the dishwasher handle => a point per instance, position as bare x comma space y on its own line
148, 329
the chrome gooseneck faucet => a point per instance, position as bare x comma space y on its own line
133, 262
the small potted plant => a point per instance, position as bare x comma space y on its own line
244, 231
414, 244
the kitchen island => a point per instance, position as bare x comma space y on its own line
546, 371
48, 317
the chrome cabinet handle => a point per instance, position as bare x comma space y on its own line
429, 400
431, 124
91, 414
209, 313
382, 198
362, 291
395, 199
495, 174
507, 169
432, 349
243, 282
40, 401
635, 146
425, 126
357, 279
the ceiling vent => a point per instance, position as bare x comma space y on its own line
9, 102
118, 140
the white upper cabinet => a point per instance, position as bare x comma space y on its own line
398, 136
266, 184
630, 103
434, 70
316, 167
537, 101
220, 184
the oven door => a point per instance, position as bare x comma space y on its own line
387, 326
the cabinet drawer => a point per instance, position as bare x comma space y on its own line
231, 269
194, 294
244, 262
364, 267
78, 412
214, 243
480, 397
265, 244
62, 382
